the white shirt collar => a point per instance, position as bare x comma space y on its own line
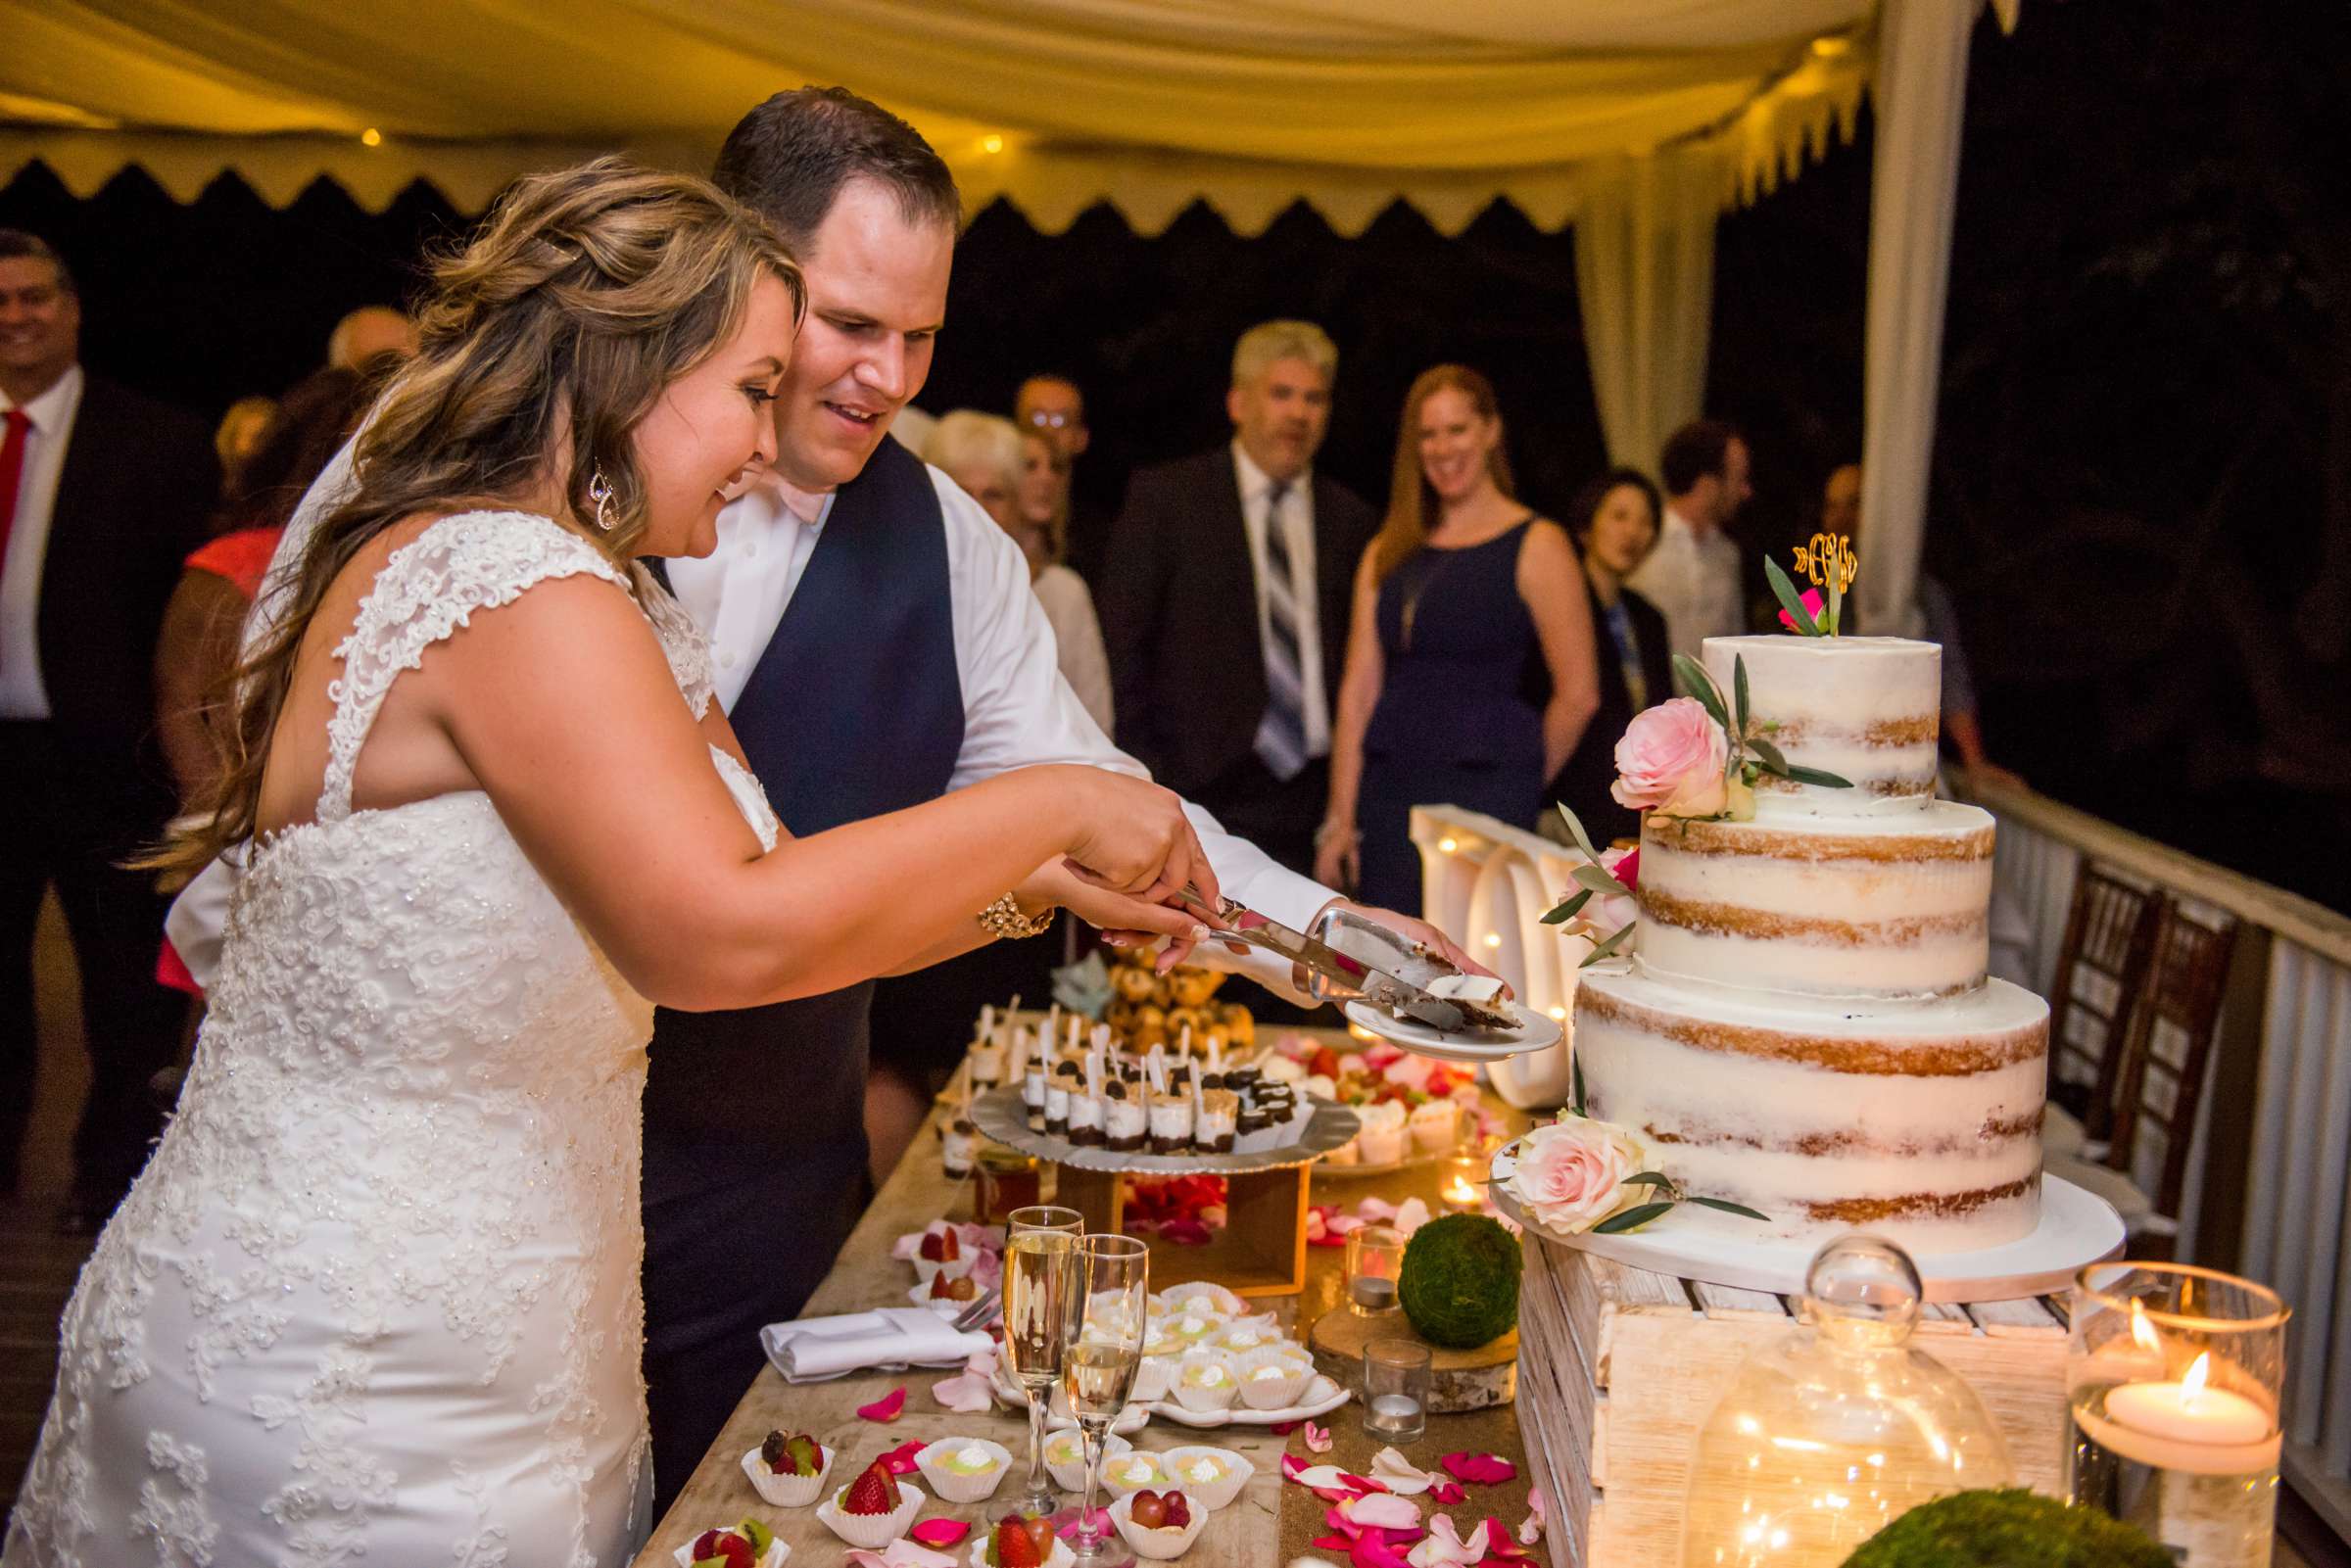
1255, 481
50, 410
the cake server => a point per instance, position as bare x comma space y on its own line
1340, 974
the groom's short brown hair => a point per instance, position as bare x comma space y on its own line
788, 158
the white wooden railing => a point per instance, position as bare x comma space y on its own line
2266, 1193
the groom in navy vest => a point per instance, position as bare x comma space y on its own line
876, 643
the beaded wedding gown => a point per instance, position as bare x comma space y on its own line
375, 1296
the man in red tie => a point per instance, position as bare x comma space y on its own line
102, 494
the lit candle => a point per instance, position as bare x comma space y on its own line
2188, 1425
1461, 1194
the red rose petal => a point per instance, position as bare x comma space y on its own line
887, 1407
940, 1532
1446, 1494
1482, 1469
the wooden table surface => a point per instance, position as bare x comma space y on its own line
1255, 1529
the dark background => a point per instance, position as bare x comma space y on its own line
2143, 488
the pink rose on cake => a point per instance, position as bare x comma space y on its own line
1571, 1174
1604, 915
1672, 759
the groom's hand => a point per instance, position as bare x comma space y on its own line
1125, 919
1405, 926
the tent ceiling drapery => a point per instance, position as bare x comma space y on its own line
1052, 104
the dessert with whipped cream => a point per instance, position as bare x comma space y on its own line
1806, 1026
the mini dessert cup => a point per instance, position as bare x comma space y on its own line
983, 1552
1271, 1380
1240, 1339
1346, 1153
1064, 1458
1131, 1472
1436, 1127
1191, 1330
1203, 1296
789, 1490
1211, 1477
871, 1531
927, 1269
776, 1552
964, 1469
1294, 1351
1153, 1378
1204, 1382
1160, 1341
1160, 1545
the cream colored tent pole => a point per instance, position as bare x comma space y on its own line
1645, 279
1921, 88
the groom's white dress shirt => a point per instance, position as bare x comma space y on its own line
1018, 710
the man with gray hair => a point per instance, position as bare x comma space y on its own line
1223, 601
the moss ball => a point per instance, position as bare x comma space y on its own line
2008, 1529
1460, 1281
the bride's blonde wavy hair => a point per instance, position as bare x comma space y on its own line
544, 341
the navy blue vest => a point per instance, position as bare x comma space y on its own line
854, 710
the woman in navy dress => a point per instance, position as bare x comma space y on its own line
1467, 608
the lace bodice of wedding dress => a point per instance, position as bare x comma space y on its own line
375, 1296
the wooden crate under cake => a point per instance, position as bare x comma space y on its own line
1617, 1368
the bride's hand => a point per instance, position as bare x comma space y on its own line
1124, 921
1132, 836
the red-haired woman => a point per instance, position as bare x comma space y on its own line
1467, 605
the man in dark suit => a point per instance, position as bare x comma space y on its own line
102, 494
1225, 600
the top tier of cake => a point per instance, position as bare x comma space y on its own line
1865, 708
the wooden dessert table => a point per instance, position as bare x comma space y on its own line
1269, 1523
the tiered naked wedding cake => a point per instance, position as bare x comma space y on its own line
1806, 1026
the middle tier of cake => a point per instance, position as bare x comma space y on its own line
1890, 906
1919, 1120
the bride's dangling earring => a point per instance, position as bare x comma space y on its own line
599, 491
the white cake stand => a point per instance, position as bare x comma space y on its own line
2076, 1227
1534, 1031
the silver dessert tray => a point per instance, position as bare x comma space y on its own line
1000, 1114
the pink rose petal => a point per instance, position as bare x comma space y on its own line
1317, 1439
1483, 1469
940, 1532
966, 1394
887, 1407
1446, 1494
1536, 1507
1372, 1550
901, 1459
900, 1553
1382, 1510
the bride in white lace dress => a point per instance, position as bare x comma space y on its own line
376, 1295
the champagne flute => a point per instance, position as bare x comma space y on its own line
1098, 1368
1041, 1253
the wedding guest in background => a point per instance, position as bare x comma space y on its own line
1045, 498
204, 619
367, 335
1224, 602
1695, 575
1840, 513
1614, 520
239, 435
1053, 407
103, 493
995, 463
1463, 593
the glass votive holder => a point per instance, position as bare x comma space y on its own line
1396, 1389
2172, 1381
1463, 1188
1374, 1258
1008, 1180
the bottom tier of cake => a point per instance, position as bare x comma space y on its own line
1920, 1122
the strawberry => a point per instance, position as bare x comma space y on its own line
735, 1552
929, 1248
705, 1544
1178, 1508
950, 1250
873, 1493
944, 1289
1015, 1546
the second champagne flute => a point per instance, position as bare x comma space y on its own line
1040, 1295
1097, 1370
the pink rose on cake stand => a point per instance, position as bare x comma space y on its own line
1672, 759
1574, 1174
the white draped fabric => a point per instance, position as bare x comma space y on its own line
1644, 276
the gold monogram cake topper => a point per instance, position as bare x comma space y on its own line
1827, 557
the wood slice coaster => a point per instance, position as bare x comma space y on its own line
1457, 1380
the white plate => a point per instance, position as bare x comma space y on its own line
1322, 1396
2076, 1227
1536, 1031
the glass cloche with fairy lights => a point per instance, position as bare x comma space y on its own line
1828, 1433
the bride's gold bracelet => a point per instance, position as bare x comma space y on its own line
1003, 918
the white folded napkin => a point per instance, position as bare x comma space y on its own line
893, 1338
